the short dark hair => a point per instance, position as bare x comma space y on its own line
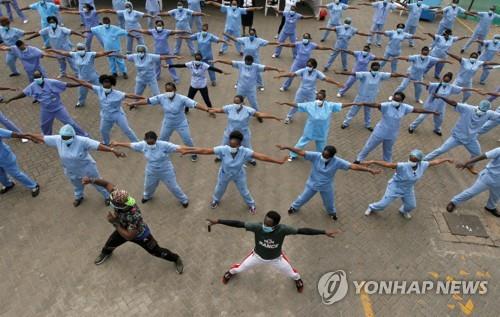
375, 64
313, 61
330, 149
198, 54
249, 58
51, 18
236, 135
242, 99
110, 78
425, 48
448, 74
106, 19
322, 92
171, 84
401, 94
275, 216
150, 135
19, 43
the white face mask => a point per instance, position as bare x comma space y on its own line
337, 1
81, 53
107, 90
67, 142
159, 28
324, 160
180, 7
234, 7
453, 5
170, 94
365, 53
38, 81
53, 25
472, 60
141, 54
309, 68
204, 33
491, 12
85, 10
107, 26
305, 41
197, 63
412, 164
233, 150
399, 30
319, 102
419, 3
480, 113
151, 146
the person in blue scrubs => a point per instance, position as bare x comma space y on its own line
386, 131
160, 37
367, 92
443, 88
380, 14
233, 158
153, 8
195, 5
414, 13
490, 124
10, 36
289, 30
159, 167
29, 56
324, 166
76, 160
6, 122
45, 9
450, 14
490, 48
48, 93
440, 48
238, 119
173, 105
488, 179
119, 5
402, 183
309, 76
482, 28
85, 64
335, 10
319, 115
247, 78
415, 73
18, 10
465, 131
90, 19
344, 35
9, 167
110, 104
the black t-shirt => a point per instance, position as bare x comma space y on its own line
268, 245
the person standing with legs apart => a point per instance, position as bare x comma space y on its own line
29, 56
490, 49
44, 9
18, 10
129, 226
450, 14
440, 48
153, 8
335, 10
381, 11
402, 184
195, 5
414, 13
269, 238
324, 166
119, 5
482, 28
10, 36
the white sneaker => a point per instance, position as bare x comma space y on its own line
406, 215
59, 76
25, 21
287, 120
390, 98
276, 36
261, 88
368, 211
274, 56
339, 95
420, 101
24, 140
282, 89
235, 86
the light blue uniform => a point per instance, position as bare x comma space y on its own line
7, 123
8, 164
132, 23
59, 39
490, 49
14, 4
335, 11
317, 124
344, 35
465, 131
436, 104
174, 118
402, 185
418, 65
77, 161
381, 11
238, 119
414, 12
49, 97
112, 113
119, 5
367, 92
232, 169
251, 46
387, 129
30, 58
195, 6
90, 19
182, 19
440, 48
232, 25
488, 179
362, 60
302, 53
321, 180
80, 8
490, 124
86, 71
111, 40
289, 31
247, 81
467, 71
449, 17
161, 46
307, 88
205, 48
159, 168
9, 37
145, 72
45, 9
153, 7
393, 48
482, 29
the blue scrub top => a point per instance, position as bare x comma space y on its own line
6, 154
157, 156
238, 118
248, 74
441, 46
395, 39
405, 178
323, 172
10, 35
335, 11
173, 108
160, 40
382, 11
110, 103
344, 35
145, 66
442, 90
58, 38
233, 18
30, 57
370, 83
182, 18
85, 64
109, 37
132, 19
414, 13
252, 47
48, 95
76, 156
362, 60
491, 173
45, 10
469, 123
309, 79
392, 113
318, 118
449, 16
205, 43
233, 166
418, 65
468, 70
490, 49
291, 19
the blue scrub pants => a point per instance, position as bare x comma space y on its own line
211, 74
141, 84
404, 84
183, 131
116, 64
150, 21
478, 187
16, 8
130, 41
171, 70
394, 61
297, 64
292, 37
11, 168
47, 120
490, 124
195, 20
411, 29
354, 111
235, 34
347, 85
189, 43
260, 82
466, 94
327, 32
46, 42
484, 75
250, 95
392, 193
121, 21
62, 65
374, 141
475, 36
472, 146
376, 37
438, 121
333, 56
167, 177
303, 141
491, 98
301, 96
83, 92
239, 180
120, 119
327, 196
9, 125
438, 67
10, 60
90, 170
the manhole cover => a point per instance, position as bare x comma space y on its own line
465, 225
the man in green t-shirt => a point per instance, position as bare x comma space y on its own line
269, 237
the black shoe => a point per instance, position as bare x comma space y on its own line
260, 119
369, 129
462, 51
322, 41
34, 101
114, 75
35, 191
334, 217
217, 160
356, 162
450, 207
292, 210
410, 130
185, 205
300, 285
77, 202
145, 200
101, 258
253, 162
14, 75
214, 204
343, 126
186, 110
226, 277
493, 211
107, 202
194, 158
437, 132
179, 266
7, 188
125, 76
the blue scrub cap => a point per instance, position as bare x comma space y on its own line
67, 130
484, 105
419, 155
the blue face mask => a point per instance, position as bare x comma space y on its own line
38, 81
267, 229
252, 37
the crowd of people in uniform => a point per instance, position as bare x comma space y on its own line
74, 145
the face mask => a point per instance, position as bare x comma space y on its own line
346, 25
129, 10
453, 5
107, 90
6, 28
480, 113
107, 26
151, 146
319, 102
491, 12
233, 150
39, 81
267, 229
472, 60
495, 41
419, 3
309, 68
159, 28
197, 63
292, 14
374, 72
400, 30
337, 1
233, 7
53, 25
324, 160
412, 164
365, 53
170, 94
385, 2
85, 10
67, 142
305, 41
141, 54
252, 37
204, 33
180, 8
81, 53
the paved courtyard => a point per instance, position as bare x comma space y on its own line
47, 247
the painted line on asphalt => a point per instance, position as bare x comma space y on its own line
367, 304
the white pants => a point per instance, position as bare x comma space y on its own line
281, 263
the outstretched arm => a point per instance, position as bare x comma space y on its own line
83, 83
19, 96
451, 102
440, 161
455, 57
265, 115
380, 163
266, 68
472, 161
361, 168
295, 150
415, 110
331, 81
289, 104
289, 75
223, 62
200, 150
315, 232
99, 182
229, 223
266, 158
